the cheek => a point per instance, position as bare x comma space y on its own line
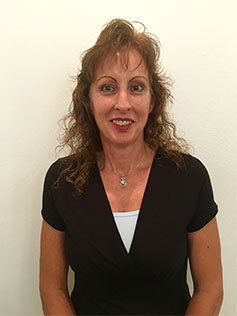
100, 110
142, 105
102, 105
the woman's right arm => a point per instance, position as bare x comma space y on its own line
53, 273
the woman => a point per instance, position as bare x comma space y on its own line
129, 205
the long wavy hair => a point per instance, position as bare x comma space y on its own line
81, 133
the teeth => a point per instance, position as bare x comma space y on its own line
122, 123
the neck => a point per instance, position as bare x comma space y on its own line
124, 160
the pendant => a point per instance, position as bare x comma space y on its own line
123, 181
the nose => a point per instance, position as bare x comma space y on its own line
122, 102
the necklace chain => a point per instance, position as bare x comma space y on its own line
123, 177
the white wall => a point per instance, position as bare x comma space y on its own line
41, 43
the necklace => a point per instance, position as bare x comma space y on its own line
123, 177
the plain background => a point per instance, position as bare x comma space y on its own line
41, 44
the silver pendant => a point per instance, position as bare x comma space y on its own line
123, 181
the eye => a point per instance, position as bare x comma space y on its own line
107, 88
137, 87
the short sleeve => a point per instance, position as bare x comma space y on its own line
49, 211
206, 207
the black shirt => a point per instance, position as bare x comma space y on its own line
150, 279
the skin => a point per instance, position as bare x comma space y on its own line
122, 92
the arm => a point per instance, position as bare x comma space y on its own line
53, 273
206, 270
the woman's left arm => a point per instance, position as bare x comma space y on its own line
206, 269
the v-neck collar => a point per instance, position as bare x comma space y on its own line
95, 223
107, 211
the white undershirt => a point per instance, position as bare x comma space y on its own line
126, 223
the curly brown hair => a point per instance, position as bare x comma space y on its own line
82, 134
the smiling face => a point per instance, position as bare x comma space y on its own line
120, 99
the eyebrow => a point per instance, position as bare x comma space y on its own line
116, 80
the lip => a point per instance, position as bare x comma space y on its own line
122, 129
122, 119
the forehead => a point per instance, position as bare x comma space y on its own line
126, 61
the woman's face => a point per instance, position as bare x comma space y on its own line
121, 99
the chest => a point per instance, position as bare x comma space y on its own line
93, 242
128, 198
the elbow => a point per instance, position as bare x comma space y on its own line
45, 286
213, 289
214, 295
218, 300
49, 290
220, 295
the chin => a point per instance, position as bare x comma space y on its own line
123, 142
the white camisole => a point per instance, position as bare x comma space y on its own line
126, 223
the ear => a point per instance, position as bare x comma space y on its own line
152, 103
91, 108
91, 105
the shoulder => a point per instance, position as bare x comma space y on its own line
193, 161
198, 177
192, 166
54, 173
195, 166
53, 170
57, 172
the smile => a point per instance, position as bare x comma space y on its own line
122, 123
